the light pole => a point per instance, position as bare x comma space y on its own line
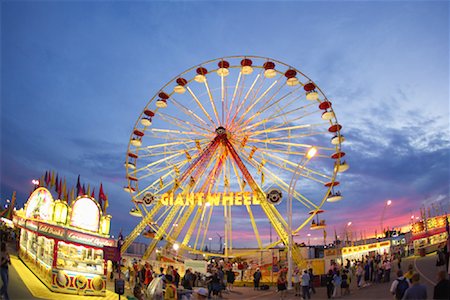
300, 167
210, 239
347, 231
35, 182
386, 204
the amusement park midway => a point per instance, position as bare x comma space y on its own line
202, 149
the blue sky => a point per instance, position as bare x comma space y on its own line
76, 75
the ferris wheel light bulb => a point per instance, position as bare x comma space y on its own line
311, 152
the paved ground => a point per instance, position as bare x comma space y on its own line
24, 285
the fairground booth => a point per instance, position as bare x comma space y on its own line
63, 244
428, 234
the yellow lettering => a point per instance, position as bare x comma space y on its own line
179, 200
255, 199
190, 199
237, 199
213, 199
227, 199
199, 197
164, 199
245, 200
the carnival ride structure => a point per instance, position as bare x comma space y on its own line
214, 150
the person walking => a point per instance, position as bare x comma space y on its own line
330, 285
442, 288
256, 279
345, 286
230, 278
296, 281
311, 281
5, 261
387, 270
281, 285
305, 285
337, 281
417, 291
399, 286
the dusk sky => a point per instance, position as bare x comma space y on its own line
75, 76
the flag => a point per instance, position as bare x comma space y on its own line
79, 190
83, 190
64, 190
59, 188
105, 204
93, 193
42, 181
56, 183
52, 179
88, 192
46, 179
101, 193
72, 195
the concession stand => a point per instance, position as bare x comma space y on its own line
428, 234
63, 244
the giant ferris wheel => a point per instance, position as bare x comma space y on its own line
213, 153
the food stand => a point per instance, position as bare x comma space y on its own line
63, 244
429, 234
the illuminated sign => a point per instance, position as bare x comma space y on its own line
51, 230
216, 199
368, 247
89, 239
85, 214
40, 204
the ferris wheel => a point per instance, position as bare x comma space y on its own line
213, 153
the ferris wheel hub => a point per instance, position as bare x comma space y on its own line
221, 130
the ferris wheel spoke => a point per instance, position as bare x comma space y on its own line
307, 172
256, 102
138, 229
282, 184
170, 151
199, 228
184, 124
287, 128
206, 226
201, 106
245, 99
189, 112
279, 141
212, 102
276, 114
159, 161
161, 231
192, 226
178, 132
233, 98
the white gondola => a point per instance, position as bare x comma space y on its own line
128, 189
342, 167
135, 212
337, 139
334, 197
